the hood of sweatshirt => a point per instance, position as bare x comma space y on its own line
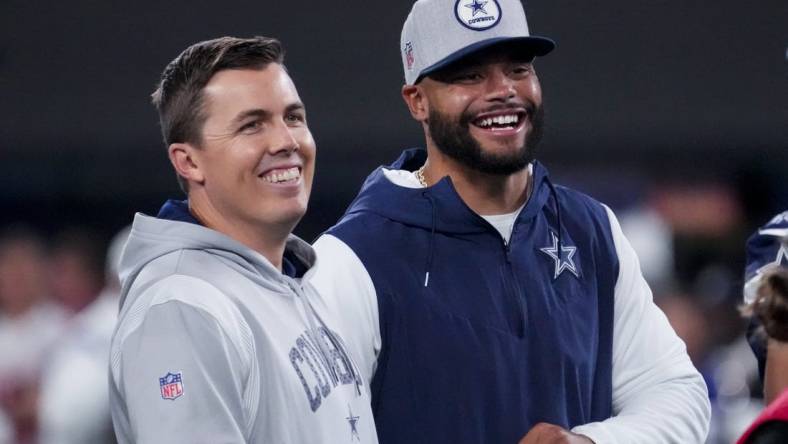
437, 207
153, 237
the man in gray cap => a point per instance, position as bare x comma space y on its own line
494, 305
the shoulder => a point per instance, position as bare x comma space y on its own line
329, 245
191, 302
194, 292
580, 205
190, 277
359, 224
360, 238
581, 213
190, 291
338, 266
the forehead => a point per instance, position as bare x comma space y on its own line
235, 90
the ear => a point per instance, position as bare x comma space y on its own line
184, 158
414, 97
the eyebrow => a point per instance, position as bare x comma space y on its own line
295, 106
264, 114
257, 112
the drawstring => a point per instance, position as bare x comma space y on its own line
557, 210
433, 208
430, 252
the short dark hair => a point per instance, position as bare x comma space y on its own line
179, 94
771, 304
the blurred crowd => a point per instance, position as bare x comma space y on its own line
59, 299
691, 243
58, 305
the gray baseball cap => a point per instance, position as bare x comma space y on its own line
439, 32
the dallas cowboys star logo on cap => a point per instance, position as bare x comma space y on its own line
478, 15
562, 257
476, 7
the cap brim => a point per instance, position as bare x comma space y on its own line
779, 232
532, 45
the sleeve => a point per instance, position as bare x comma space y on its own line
347, 289
658, 395
181, 374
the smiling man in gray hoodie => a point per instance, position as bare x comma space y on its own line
221, 336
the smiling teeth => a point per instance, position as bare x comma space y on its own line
500, 120
283, 176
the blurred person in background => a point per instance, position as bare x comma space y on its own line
74, 400
29, 325
770, 309
767, 251
76, 269
687, 317
688, 233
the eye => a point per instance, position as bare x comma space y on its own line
251, 127
295, 117
466, 77
522, 69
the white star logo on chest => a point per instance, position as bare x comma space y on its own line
562, 256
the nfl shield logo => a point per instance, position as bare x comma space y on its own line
171, 385
409, 59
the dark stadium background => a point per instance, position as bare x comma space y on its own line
635, 92
677, 109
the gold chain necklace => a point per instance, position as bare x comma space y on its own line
420, 176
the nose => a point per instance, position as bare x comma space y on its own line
283, 139
500, 86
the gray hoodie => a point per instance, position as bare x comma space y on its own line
215, 345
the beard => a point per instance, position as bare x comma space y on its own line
453, 138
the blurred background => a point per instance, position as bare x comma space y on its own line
673, 113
